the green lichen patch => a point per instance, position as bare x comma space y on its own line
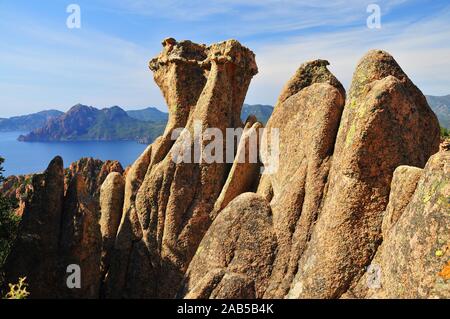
350, 135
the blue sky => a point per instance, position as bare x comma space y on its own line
44, 64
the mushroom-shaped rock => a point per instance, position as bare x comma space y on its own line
174, 202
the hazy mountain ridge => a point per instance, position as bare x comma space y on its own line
84, 123
28, 122
441, 107
262, 112
149, 114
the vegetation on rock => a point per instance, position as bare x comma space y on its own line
9, 222
19, 290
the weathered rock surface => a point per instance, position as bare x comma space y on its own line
35, 252
61, 215
308, 123
309, 73
94, 172
403, 185
129, 233
234, 258
413, 260
111, 205
349, 210
386, 123
171, 231
81, 239
179, 74
245, 171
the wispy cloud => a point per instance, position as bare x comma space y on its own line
421, 48
252, 17
45, 67
100, 64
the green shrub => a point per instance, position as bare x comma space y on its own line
9, 223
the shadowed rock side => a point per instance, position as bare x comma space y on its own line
61, 227
403, 185
413, 261
308, 123
175, 200
35, 251
386, 123
235, 256
94, 171
245, 171
128, 234
81, 240
307, 116
111, 203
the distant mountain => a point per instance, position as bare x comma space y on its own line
83, 123
149, 114
441, 106
262, 112
28, 122
87, 123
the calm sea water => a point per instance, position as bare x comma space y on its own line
27, 157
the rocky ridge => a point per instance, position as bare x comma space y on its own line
358, 207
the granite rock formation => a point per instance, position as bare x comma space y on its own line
203, 86
234, 258
35, 251
80, 241
357, 206
412, 261
308, 122
60, 226
386, 123
111, 203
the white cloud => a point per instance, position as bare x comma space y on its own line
422, 50
44, 67
47, 67
252, 17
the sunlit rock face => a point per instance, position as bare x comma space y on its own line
355, 180
205, 86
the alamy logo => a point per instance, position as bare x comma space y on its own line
74, 19
374, 20
374, 276
209, 145
74, 278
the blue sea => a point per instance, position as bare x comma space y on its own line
33, 157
